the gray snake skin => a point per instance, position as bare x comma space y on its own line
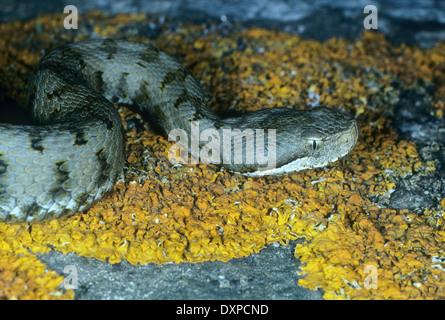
73, 155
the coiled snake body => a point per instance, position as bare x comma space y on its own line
73, 155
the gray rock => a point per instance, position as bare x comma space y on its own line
269, 274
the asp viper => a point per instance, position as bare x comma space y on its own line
73, 155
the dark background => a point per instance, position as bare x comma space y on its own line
420, 22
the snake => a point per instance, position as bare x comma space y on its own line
74, 152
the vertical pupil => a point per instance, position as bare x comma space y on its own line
314, 145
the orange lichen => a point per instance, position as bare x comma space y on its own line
22, 276
163, 213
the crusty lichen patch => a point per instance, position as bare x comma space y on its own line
23, 276
163, 213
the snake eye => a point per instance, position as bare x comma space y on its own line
314, 144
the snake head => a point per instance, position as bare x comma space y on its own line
308, 139
327, 133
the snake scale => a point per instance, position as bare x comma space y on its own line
74, 153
